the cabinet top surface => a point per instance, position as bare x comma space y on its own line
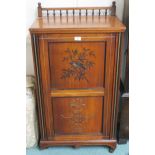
70, 24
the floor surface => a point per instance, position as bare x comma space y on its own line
122, 149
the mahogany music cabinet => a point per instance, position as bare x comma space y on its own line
76, 55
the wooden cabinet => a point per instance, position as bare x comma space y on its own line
77, 61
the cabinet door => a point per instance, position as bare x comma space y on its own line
77, 81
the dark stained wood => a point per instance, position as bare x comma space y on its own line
39, 10
113, 10
126, 82
123, 135
77, 68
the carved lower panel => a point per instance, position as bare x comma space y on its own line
78, 115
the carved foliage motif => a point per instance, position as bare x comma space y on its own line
79, 63
77, 116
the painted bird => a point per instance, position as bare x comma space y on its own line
77, 65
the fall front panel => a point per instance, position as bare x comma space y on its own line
92, 65
76, 65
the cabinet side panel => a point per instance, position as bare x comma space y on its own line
116, 91
44, 67
109, 78
38, 90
